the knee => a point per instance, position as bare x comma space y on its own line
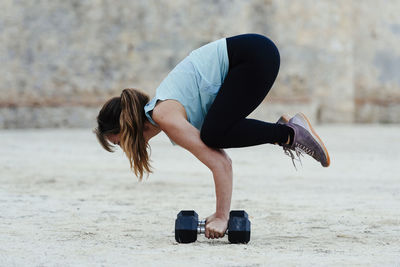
210, 137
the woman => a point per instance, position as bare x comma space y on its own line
202, 106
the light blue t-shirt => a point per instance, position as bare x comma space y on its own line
195, 82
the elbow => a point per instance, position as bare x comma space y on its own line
222, 165
228, 166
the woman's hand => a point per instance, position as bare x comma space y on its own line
216, 226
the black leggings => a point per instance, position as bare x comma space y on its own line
253, 66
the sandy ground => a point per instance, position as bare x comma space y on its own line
66, 202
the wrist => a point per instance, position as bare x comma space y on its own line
222, 215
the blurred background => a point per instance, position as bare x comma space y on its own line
61, 60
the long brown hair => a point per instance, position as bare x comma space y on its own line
125, 115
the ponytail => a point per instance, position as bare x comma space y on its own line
132, 121
125, 115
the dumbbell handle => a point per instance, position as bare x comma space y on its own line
201, 227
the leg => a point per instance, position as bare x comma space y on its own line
253, 67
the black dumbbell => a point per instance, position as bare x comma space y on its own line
188, 226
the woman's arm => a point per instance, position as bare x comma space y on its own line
170, 115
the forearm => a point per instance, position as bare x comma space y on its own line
223, 190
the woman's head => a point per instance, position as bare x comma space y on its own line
121, 121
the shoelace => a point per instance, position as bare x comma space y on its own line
304, 149
299, 149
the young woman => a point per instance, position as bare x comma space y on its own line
202, 106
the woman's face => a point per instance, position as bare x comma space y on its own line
149, 132
114, 138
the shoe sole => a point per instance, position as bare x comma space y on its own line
315, 135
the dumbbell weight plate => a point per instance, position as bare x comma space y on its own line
238, 227
186, 226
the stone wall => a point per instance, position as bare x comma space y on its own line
377, 61
60, 60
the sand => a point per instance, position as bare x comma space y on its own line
66, 202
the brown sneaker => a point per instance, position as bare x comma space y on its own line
306, 140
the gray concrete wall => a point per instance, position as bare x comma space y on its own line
60, 60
